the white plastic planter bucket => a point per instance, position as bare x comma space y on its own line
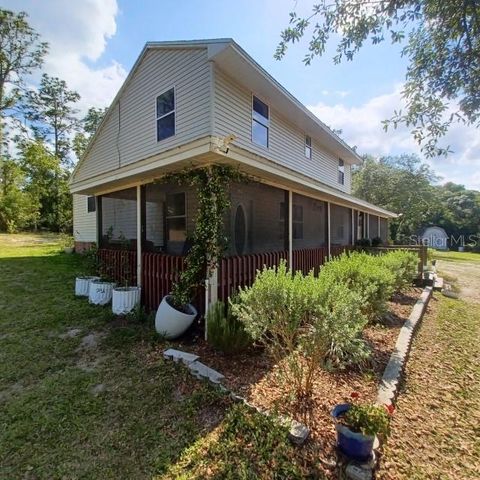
82, 285
100, 293
170, 322
125, 299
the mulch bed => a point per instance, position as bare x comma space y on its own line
253, 376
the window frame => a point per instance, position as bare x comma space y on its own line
341, 171
265, 125
174, 217
308, 146
89, 197
174, 111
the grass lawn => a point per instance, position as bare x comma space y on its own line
83, 395
435, 428
457, 256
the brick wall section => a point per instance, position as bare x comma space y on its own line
81, 247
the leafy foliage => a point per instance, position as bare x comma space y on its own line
21, 53
403, 265
225, 331
208, 239
304, 322
441, 41
406, 185
368, 419
366, 275
89, 124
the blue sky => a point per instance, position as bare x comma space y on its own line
94, 43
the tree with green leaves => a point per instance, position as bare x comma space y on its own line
89, 124
402, 184
16, 206
441, 40
52, 115
21, 53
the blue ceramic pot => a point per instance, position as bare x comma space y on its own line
354, 445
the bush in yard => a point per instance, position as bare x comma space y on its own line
403, 265
304, 323
225, 332
366, 275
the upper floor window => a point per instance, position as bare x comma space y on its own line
341, 171
260, 122
308, 146
166, 114
91, 204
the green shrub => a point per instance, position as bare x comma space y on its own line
366, 275
403, 265
304, 323
363, 242
376, 242
225, 332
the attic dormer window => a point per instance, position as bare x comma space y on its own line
341, 172
260, 122
166, 115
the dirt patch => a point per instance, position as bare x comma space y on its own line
467, 278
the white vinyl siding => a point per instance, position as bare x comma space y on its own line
131, 136
286, 144
84, 222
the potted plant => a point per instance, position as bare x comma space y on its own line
125, 297
358, 424
100, 289
67, 243
82, 283
176, 313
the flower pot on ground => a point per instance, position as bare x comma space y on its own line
125, 299
171, 321
68, 250
100, 292
357, 426
82, 285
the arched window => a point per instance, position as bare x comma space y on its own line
240, 234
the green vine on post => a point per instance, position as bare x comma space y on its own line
208, 238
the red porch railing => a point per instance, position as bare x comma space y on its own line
309, 259
161, 271
120, 265
240, 271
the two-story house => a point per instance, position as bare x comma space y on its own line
207, 101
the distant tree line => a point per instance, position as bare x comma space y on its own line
405, 185
41, 133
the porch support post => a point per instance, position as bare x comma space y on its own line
353, 226
99, 221
378, 226
290, 230
329, 231
139, 235
211, 295
367, 215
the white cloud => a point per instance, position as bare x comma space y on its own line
362, 127
77, 32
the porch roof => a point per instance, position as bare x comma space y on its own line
209, 150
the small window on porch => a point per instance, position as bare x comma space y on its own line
165, 108
308, 146
176, 217
240, 230
91, 204
297, 222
